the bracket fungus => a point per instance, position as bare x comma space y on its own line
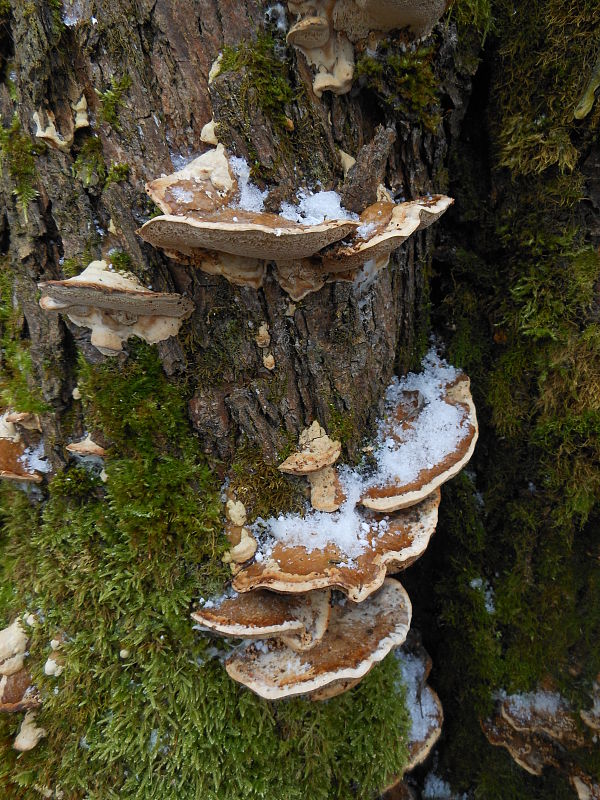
425, 708
115, 306
386, 544
539, 730
16, 690
317, 450
19, 462
325, 32
86, 448
428, 434
17, 693
29, 733
246, 234
203, 185
314, 460
358, 636
214, 221
384, 226
300, 621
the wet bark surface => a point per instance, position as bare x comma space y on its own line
334, 351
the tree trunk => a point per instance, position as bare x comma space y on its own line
143, 68
336, 351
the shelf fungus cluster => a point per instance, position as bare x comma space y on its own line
22, 448
17, 692
312, 598
115, 306
214, 220
325, 32
541, 729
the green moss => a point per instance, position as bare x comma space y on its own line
117, 174
261, 487
519, 312
111, 100
549, 51
404, 80
72, 266
268, 74
121, 261
89, 166
18, 152
17, 388
341, 426
473, 13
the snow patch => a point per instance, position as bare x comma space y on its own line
251, 197
545, 703
435, 788
314, 209
435, 432
33, 458
419, 700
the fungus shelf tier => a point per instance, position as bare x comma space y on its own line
311, 594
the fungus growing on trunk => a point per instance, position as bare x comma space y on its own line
202, 186
13, 648
356, 563
325, 32
300, 621
358, 637
86, 448
29, 733
17, 693
115, 306
423, 441
244, 233
16, 690
317, 450
540, 729
384, 226
17, 461
214, 220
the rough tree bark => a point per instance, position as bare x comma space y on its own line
337, 350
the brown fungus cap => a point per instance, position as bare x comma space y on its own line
115, 306
531, 752
300, 278
326, 491
244, 233
204, 185
425, 708
550, 716
17, 693
13, 463
298, 620
294, 568
391, 494
86, 448
387, 15
383, 228
358, 637
25, 419
317, 450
